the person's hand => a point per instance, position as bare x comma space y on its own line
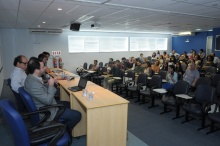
51, 82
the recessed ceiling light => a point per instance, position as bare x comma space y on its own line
44, 22
210, 30
59, 9
198, 29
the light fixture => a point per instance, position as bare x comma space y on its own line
185, 33
84, 18
187, 41
38, 26
43, 22
59, 9
198, 29
210, 30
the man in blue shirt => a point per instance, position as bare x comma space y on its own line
19, 75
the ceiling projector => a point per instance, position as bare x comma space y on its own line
95, 25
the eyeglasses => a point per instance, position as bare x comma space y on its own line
25, 63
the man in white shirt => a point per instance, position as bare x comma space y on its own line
216, 59
175, 54
19, 75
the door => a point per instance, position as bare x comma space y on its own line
209, 45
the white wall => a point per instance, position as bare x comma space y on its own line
19, 41
2, 72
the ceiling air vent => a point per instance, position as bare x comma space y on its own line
46, 31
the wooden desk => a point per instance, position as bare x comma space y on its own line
104, 119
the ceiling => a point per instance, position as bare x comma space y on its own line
158, 16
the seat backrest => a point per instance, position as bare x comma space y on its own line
215, 79
122, 73
85, 65
142, 78
156, 81
21, 106
210, 69
202, 80
130, 74
184, 66
181, 87
30, 105
149, 58
90, 66
100, 64
15, 122
162, 73
205, 93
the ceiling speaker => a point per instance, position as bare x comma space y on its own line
75, 26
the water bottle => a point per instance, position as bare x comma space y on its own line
84, 92
91, 95
63, 75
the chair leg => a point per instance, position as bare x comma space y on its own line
177, 113
203, 126
212, 128
143, 100
187, 118
153, 102
165, 109
138, 97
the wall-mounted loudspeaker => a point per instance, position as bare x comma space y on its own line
75, 26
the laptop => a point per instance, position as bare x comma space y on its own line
81, 85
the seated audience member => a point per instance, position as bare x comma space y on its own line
161, 59
165, 66
173, 59
190, 53
171, 78
154, 56
197, 61
156, 66
208, 62
133, 64
19, 75
141, 58
176, 55
118, 64
95, 65
178, 68
193, 55
44, 59
215, 60
147, 69
158, 54
43, 94
201, 54
138, 68
111, 59
191, 74
47, 54
115, 72
165, 55
125, 63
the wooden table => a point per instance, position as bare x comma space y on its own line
104, 119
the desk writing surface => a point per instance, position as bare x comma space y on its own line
102, 97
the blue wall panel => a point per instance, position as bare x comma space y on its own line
196, 42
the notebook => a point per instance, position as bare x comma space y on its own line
81, 85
